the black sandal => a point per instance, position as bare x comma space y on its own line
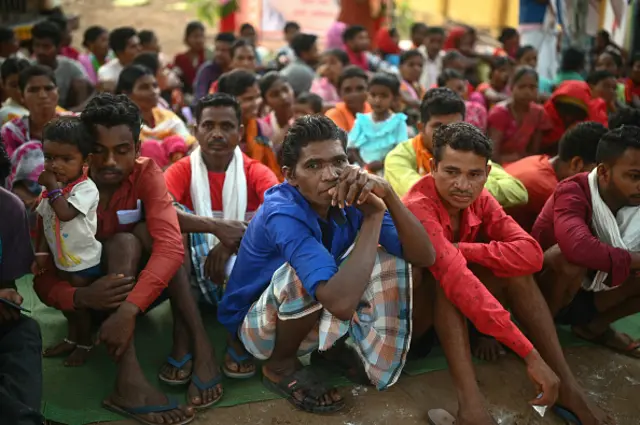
305, 381
347, 363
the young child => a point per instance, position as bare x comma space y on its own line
411, 91
497, 88
69, 221
375, 134
307, 104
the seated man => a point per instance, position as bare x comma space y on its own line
309, 269
411, 160
540, 174
217, 181
467, 225
20, 342
624, 116
587, 277
133, 200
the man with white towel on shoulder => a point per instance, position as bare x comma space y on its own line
217, 189
590, 231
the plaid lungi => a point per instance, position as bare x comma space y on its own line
380, 327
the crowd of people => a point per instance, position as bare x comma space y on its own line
361, 204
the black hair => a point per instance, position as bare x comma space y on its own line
387, 80
35, 71
218, 100
522, 71
351, 71
6, 34
226, 37
573, 59
507, 33
239, 43
352, 32
615, 55
624, 116
110, 110
236, 82
47, 30
581, 141
447, 75
409, 54
69, 130
149, 60
435, 31
416, 27
119, 37
461, 136
246, 26
339, 54
12, 66
499, 62
312, 100
291, 25
309, 129
615, 142
596, 76
268, 80
146, 36
302, 43
192, 27
91, 34
128, 77
450, 56
523, 50
60, 20
441, 101
605, 35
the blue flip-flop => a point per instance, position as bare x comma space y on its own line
135, 412
239, 359
178, 364
565, 414
204, 386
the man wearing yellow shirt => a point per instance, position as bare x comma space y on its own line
410, 160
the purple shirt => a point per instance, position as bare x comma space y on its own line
16, 252
209, 72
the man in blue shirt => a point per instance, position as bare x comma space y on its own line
310, 270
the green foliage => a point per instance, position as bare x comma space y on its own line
207, 11
403, 18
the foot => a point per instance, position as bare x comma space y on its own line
78, 356
477, 415
487, 348
137, 392
60, 349
610, 338
169, 372
245, 367
206, 369
573, 398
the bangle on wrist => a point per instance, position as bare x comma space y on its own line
41, 254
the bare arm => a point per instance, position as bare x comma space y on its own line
496, 136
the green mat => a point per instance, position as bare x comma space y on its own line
73, 395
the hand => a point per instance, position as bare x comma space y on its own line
9, 314
373, 205
544, 379
375, 166
106, 293
216, 262
355, 185
39, 265
117, 331
230, 233
48, 180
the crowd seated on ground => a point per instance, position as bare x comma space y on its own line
304, 195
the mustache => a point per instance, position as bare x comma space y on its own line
464, 194
110, 170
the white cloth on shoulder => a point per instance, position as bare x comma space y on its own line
621, 231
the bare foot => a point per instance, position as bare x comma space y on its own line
206, 370
60, 349
474, 416
487, 348
78, 356
610, 338
575, 400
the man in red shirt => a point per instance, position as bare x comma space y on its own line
587, 277
226, 185
540, 174
467, 225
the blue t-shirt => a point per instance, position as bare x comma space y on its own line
532, 12
287, 230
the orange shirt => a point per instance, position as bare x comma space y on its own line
538, 177
342, 116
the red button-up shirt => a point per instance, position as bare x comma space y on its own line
145, 183
566, 220
509, 252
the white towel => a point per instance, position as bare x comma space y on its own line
234, 190
621, 231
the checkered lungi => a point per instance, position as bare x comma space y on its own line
380, 327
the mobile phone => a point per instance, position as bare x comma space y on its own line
14, 305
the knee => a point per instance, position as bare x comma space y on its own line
123, 248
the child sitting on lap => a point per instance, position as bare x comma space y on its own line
69, 221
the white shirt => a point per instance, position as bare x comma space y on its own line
80, 248
431, 68
110, 71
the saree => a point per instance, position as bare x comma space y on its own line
258, 147
167, 124
517, 136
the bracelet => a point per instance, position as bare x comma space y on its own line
54, 192
41, 254
55, 197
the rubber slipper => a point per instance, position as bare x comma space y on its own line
238, 359
204, 386
565, 414
135, 412
440, 417
178, 365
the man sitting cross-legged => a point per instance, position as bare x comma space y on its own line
467, 225
216, 182
590, 229
310, 270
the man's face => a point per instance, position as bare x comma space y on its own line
40, 96
244, 58
11, 88
434, 123
353, 93
250, 102
249, 34
130, 52
222, 53
460, 177
152, 46
418, 37
9, 48
218, 133
622, 180
45, 51
606, 89
290, 34
434, 43
312, 57
317, 170
360, 42
114, 155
